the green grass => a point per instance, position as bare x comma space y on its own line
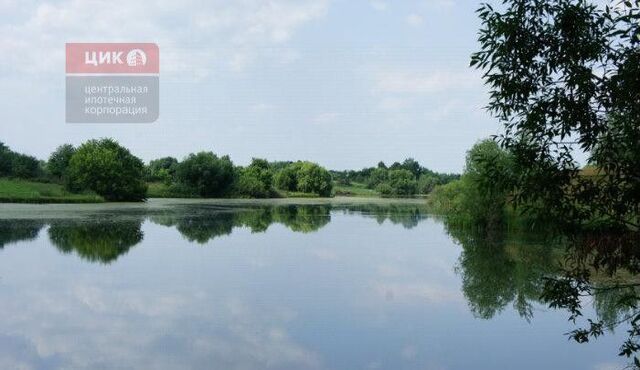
23, 191
158, 190
354, 190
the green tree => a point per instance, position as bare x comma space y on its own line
59, 160
564, 77
285, 179
162, 169
25, 166
206, 174
377, 176
18, 165
255, 181
399, 182
488, 174
305, 177
426, 183
479, 197
311, 178
5, 160
412, 166
108, 169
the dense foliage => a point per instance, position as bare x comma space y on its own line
162, 169
480, 196
399, 179
206, 174
305, 177
108, 169
18, 165
564, 78
59, 160
255, 180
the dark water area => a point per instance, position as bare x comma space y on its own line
277, 285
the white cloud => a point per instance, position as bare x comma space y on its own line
230, 331
415, 20
193, 36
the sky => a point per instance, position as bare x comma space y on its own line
344, 83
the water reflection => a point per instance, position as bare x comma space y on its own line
13, 231
323, 286
573, 272
103, 236
96, 240
499, 269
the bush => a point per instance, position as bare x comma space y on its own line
206, 174
305, 177
255, 181
426, 183
59, 160
163, 170
311, 178
18, 165
285, 179
24, 166
377, 177
398, 182
402, 182
5, 160
108, 169
480, 196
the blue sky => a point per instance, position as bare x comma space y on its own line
344, 83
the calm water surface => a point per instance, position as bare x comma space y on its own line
273, 285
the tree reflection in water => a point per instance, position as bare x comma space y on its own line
106, 235
498, 269
566, 271
96, 240
13, 231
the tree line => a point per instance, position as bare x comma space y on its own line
113, 172
207, 175
399, 179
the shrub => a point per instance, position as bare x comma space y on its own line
305, 177
108, 169
255, 181
206, 174
59, 160
162, 169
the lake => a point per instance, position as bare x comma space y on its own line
282, 284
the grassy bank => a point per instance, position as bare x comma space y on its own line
354, 190
160, 190
22, 191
